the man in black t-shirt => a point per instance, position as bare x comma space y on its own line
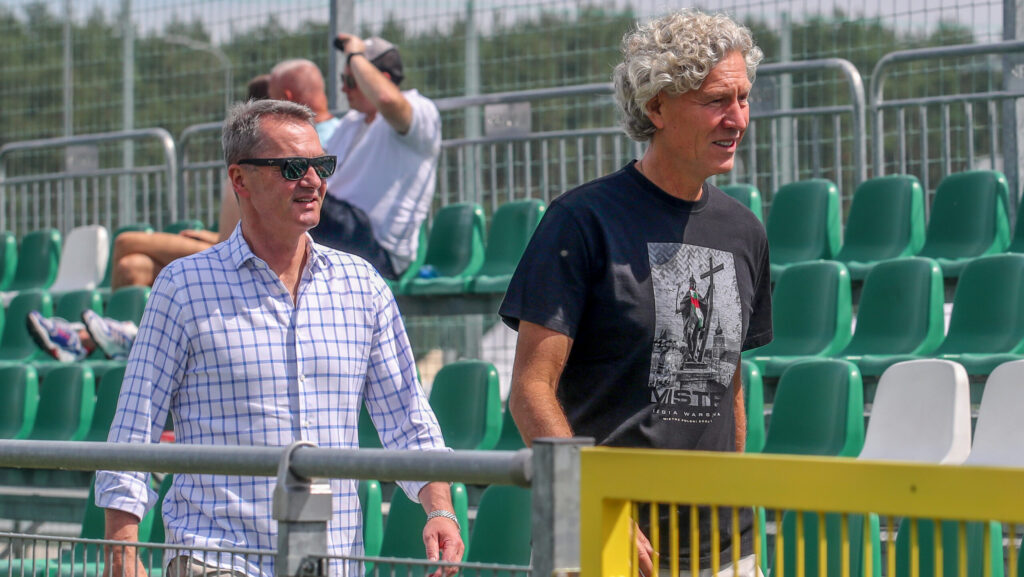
639, 290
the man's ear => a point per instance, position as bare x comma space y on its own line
238, 180
653, 111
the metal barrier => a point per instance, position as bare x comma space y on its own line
77, 191
550, 469
834, 494
919, 107
202, 175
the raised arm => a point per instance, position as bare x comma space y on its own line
376, 85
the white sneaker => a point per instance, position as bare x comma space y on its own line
114, 338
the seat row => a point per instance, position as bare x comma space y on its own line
921, 413
900, 315
969, 218
452, 258
44, 260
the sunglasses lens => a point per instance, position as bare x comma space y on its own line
294, 168
324, 166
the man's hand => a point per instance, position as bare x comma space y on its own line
441, 536
122, 560
645, 552
351, 43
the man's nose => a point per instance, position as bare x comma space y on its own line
737, 116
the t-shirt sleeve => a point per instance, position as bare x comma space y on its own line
424, 133
549, 287
759, 329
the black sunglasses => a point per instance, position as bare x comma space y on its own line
348, 80
295, 167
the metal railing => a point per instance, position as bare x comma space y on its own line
845, 497
202, 176
68, 195
912, 115
550, 469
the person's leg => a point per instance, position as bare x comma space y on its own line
139, 256
347, 228
61, 339
114, 338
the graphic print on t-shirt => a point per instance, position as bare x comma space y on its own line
697, 330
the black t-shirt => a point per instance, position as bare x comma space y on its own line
660, 296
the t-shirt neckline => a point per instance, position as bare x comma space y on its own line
672, 201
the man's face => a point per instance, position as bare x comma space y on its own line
279, 204
356, 99
703, 127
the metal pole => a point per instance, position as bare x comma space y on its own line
128, 107
472, 113
556, 506
787, 136
1013, 110
302, 507
343, 19
69, 91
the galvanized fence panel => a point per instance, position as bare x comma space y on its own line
931, 136
89, 179
202, 173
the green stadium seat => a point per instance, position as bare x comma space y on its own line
818, 410
140, 227
886, 221
19, 400
1017, 241
403, 531
833, 538
368, 437
502, 532
126, 304
753, 401
69, 306
455, 251
975, 533
8, 259
511, 229
373, 519
38, 258
986, 328
748, 195
968, 219
804, 224
410, 272
186, 224
811, 316
466, 399
510, 439
900, 313
16, 343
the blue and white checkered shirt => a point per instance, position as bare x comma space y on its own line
222, 347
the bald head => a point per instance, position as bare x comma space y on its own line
299, 81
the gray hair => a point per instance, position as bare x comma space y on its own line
242, 136
674, 53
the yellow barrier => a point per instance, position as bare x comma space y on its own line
617, 484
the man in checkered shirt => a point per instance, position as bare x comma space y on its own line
266, 339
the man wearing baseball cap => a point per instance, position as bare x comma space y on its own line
387, 147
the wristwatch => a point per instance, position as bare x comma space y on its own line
446, 515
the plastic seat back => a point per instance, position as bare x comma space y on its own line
368, 437
748, 195
999, 434
886, 220
8, 259
403, 529
818, 410
811, 311
988, 307
502, 531
466, 399
753, 401
67, 399
38, 258
128, 303
510, 439
1017, 241
969, 216
511, 228
15, 343
805, 222
373, 519
70, 305
107, 391
19, 400
139, 227
186, 224
900, 310
456, 241
950, 549
921, 413
83, 259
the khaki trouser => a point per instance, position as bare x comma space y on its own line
185, 566
747, 568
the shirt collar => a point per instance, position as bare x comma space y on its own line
241, 253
